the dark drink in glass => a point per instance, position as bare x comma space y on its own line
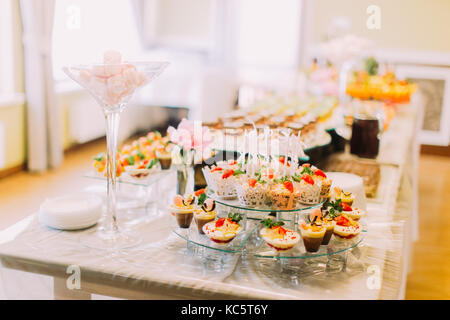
365, 140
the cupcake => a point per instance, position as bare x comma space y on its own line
345, 197
309, 189
345, 227
251, 192
221, 180
277, 237
284, 195
353, 213
183, 210
320, 176
205, 214
312, 234
223, 230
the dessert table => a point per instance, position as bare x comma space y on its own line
37, 262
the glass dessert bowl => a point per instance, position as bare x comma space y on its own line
112, 84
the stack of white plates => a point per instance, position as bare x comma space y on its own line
71, 212
349, 182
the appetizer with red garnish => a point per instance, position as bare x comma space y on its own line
319, 175
353, 213
310, 188
251, 192
345, 227
223, 230
221, 179
278, 237
143, 168
284, 194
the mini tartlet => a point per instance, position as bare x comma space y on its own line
345, 197
353, 213
223, 230
143, 169
221, 180
277, 237
345, 227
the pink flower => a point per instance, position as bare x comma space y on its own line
190, 135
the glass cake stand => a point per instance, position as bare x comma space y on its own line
290, 217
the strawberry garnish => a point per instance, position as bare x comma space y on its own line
227, 173
307, 178
288, 185
269, 173
252, 182
216, 169
306, 165
232, 162
220, 222
342, 221
320, 173
199, 192
346, 207
280, 230
142, 166
283, 160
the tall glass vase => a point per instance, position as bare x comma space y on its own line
185, 173
112, 86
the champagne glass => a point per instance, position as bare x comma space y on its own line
112, 84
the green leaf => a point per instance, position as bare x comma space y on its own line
130, 160
140, 155
296, 178
201, 199
238, 172
307, 170
236, 217
99, 157
269, 223
151, 163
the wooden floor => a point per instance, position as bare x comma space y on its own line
22, 193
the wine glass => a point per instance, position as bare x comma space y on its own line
112, 84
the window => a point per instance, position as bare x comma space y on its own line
6, 48
84, 29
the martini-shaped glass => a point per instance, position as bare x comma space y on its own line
112, 84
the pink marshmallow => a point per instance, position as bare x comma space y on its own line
112, 57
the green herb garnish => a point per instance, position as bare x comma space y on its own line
269, 223
130, 160
307, 170
100, 157
238, 172
296, 178
140, 154
236, 217
335, 208
151, 163
201, 199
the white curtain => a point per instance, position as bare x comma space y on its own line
44, 125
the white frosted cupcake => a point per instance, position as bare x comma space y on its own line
221, 180
251, 192
309, 190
